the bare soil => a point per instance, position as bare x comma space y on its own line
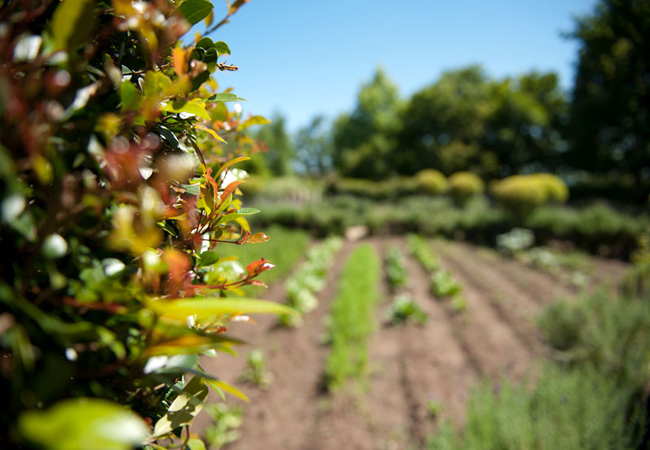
412, 367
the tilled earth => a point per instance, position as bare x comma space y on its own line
410, 366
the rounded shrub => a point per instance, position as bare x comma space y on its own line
465, 185
523, 193
431, 181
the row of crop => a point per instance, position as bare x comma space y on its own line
403, 308
309, 279
442, 283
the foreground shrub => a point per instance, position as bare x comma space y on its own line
115, 192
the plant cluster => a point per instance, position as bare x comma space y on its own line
419, 248
515, 241
309, 279
593, 396
404, 309
443, 284
396, 271
224, 429
116, 189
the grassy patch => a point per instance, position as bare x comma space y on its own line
284, 249
353, 316
593, 398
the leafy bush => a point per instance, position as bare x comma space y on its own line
404, 309
465, 185
116, 193
561, 324
431, 182
396, 268
444, 285
524, 193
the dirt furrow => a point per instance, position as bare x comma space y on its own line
489, 338
283, 416
513, 305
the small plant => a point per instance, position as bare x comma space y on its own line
404, 309
434, 408
458, 303
515, 240
224, 430
418, 247
256, 371
444, 285
396, 268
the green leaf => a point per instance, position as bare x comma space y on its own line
192, 189
247, 211
208, 258
195, 444
72, 23
219, 385
184, 408
155, 84
208, 308
190, 107
226, 97
205, 43
83, 423
195, 11
130, 96
222, 48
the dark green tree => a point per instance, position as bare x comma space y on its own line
610, 112
364, 139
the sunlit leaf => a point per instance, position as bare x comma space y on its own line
222, 385
211, 133
247, 211
252, 121
195, 11
130, 96
184, 408
230, 164
190, 107
209, 308
84, 423
226, 97
222, 48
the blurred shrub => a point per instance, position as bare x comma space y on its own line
465, 185
523, 193
431, 182
515, 240
444, 285
396, 268
405, 309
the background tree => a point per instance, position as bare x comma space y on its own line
314, 148
281, 150
364, 139
610, 111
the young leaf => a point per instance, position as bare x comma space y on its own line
184, 408
195, 11
229, 164
190, 107
208, 257
222, 48
221, 385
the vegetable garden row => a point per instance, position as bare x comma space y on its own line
436, 344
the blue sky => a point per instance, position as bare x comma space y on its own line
307, 57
